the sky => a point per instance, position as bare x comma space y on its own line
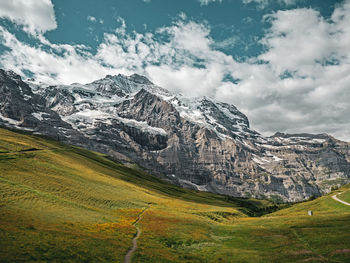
283, 63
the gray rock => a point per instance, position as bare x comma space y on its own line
196, 143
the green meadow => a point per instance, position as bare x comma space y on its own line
60, 203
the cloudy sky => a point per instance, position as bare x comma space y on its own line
284, 63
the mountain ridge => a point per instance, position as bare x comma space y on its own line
198, 143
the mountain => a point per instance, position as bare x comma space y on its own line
198, 143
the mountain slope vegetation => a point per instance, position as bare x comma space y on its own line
61, 203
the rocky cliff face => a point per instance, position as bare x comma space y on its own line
198, 143
22, 109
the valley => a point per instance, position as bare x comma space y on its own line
63, 203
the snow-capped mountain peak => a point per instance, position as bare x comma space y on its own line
200, 143
104, 94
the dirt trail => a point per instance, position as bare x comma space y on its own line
134, 240
341, 201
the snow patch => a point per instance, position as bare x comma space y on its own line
318, 140
91, 117
38, 115
143, 126
230, 115
86, 117
10, 121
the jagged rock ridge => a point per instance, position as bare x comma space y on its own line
198, 143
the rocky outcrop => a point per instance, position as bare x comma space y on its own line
198, 143
22, 109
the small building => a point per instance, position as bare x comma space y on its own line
310, 213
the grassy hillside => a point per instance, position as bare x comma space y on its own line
62, 203
345, 196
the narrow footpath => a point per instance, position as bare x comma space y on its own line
134, 240
341, 201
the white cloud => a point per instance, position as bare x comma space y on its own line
207, 2
75, 63
36, 16
188, 80
303, 31
312, 54
91, 19
261, 4
289, 2
189, 36
94, 19
299, 84
226, 43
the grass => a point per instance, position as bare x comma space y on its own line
345, 196
65, 204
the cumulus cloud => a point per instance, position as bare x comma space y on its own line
36, 16
306, 79
51, 64
300, 83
